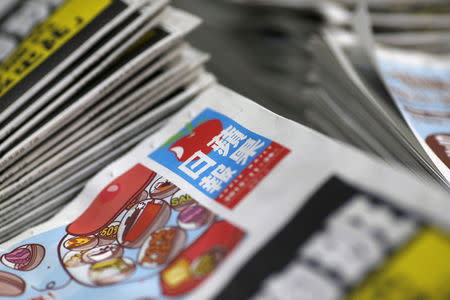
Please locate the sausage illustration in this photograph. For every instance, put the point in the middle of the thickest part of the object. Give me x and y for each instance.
(112, 201)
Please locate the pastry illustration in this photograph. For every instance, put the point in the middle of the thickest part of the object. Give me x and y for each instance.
(102, 253)
(161, 247)
(194, 217)
(163, 188)
(81, 243)
(11, 285)
(111, 271)
(24, 258)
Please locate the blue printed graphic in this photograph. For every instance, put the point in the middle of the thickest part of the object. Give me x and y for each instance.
(210, 151)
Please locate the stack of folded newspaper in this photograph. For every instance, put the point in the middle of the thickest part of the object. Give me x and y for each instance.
(83, 87)
(388, 100)
(396, 110)
(370, 85)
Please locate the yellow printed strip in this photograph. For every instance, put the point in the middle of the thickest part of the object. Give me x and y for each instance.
(47, 38)
(420, 271)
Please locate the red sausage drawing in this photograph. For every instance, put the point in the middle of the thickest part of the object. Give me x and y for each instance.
(112, 200)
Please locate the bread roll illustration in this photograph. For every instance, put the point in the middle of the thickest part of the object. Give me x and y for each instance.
(11, 285)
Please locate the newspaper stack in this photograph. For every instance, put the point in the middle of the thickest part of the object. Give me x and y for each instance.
(86, 85)
(388, 101)
(18, 18)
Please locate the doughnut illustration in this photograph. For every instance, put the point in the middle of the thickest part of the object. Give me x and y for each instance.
(194, 217)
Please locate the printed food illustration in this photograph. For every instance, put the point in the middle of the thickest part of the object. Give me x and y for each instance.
(81, 243)
(163, 188)
(141, 220)
(108, 234)
(24, 258)
(141, 237)
(161, 247)
(102, 253)
(11, 285)
(142, 226)
(440, 144)
(194, 217)
(200, 259)
(111, 271)
(112, 201)
(180, 200)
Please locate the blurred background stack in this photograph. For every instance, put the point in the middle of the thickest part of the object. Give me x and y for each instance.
(258, 51)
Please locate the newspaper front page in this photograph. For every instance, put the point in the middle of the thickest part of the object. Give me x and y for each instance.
(229, 200)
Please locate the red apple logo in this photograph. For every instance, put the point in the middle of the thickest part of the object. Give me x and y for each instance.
(198, 140)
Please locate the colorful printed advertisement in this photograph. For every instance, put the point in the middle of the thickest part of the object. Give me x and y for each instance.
(141, 238)
(220, 157)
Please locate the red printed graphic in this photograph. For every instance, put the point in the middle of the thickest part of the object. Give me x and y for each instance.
(111, 201)
(219, 157)
(197, 140)
(146, 228)
(196, 263)
(252, 175)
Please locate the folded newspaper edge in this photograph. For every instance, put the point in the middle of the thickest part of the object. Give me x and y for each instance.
(176, 22)
(190, 60)
(84, 124)
(80, 24)
(95, 61)
(395, 129)
(429, 123)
